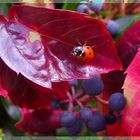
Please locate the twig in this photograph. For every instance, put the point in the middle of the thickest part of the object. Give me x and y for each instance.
(70, 105)
(110, 16)
(102, 101)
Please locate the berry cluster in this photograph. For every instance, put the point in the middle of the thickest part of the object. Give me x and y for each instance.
(90, 7)
(93, 5)
(96, 7)
(95, 121)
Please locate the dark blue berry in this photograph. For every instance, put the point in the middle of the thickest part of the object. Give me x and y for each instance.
(93, 86)
(113, 27)
(67, 118)
(82, 8)
(117, 101)
(86, 114)
(73, 83)
(95, 6)
(110, 118)
(76, 128)
(97, 123)
(55, 104)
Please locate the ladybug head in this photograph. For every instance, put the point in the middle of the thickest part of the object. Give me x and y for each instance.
(77, 51)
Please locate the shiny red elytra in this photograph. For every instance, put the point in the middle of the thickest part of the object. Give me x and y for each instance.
(83, 53)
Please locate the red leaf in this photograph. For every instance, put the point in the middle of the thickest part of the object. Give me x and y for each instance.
(3, 92)
(60, 32)
(111, 129)
(25, 93)
(128, 44)
(2, 18)
(131, 118)
(113, 82)
(43, 121)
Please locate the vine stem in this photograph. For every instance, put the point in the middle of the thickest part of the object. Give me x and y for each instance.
(64, 101)
(79, 103)
(95, 110)
(85, 99)
(70, 105)
(101, 133)
(123, 8)
(102, 101)
(109, 17)
(73, 91)
(77, 95)
(75, 98)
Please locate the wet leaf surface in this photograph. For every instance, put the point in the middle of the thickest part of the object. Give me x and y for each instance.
(48, 58)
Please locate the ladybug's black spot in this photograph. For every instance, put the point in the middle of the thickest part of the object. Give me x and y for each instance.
(89, 53)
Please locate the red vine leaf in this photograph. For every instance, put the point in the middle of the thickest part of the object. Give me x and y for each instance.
(43, 121)
(131, 121)
(128, 44)
(37, 42)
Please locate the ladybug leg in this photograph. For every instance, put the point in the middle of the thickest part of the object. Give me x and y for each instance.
(79, 42)
(85, 43)
(93, 46)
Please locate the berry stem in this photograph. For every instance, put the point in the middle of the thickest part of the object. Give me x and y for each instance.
(64, 101)
(122, 8)
(85, 99)
(79, 93)
(74, 98)
(73, 91)
(110, 16)
(79, 103)
(95, 110)
(102, 101)
(119, 116)
(89, 11)
(70, 105)
(101, 133)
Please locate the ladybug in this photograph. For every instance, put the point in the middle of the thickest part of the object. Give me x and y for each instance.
(83, 53)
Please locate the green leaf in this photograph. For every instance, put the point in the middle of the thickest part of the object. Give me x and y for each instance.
(71, 4)
(126, 22)
(4, 8)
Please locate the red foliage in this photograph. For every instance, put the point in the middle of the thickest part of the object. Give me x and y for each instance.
(131, 121)
(2, 18)
(115, 129)
(42, 121)
(35, 51)
(128, 44)
(25, 93)
(60, 32)
(36, 44)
